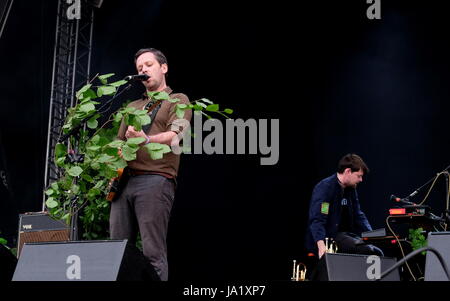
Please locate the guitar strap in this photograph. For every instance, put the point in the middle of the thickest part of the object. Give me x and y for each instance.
(154, 110)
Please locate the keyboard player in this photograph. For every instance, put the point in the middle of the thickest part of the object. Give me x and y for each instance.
(335, 211)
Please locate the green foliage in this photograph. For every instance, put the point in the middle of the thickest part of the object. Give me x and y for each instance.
(417, 238)
(87, 180)
(4, 242)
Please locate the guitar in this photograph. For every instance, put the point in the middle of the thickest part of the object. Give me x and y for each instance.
(117, 184)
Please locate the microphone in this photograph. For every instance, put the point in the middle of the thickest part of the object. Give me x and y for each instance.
(137, 77)
(403, 201)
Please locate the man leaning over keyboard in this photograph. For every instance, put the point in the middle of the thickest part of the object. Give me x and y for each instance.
(335, 211)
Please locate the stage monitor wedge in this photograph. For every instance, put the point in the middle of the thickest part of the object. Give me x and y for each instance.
(351, 267)
(96, 260)
(440, 241)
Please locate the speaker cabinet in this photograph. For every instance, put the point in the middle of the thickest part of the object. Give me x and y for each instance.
(39, 227)
(351, 267)
(433, 268)
(107, 260)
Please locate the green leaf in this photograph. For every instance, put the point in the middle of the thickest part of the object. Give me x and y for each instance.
(103, 78)
(157, 150)
(92, 123)
(82, 90)
(66, 217)
(93, 148)
(228, 111)
(60, 150)
(89, 94)
(61, 162)
(108, 171)
(129, 110)
(75, 189)
(87, 107)
(105, 90)
(206, 100)
(75, 171)
(3, 241)
(135, 141)
(140, 112)
(173, 100)
(51, 203)
(87, 178)
(144, 119)
(128, 153)
(119, 163)
(95, 165)
(118, 83)
(212, 108)
(55, 186)
(166, 148)
(135, 121)
(95, 139)
(105, 159)
(154, 146)
(49, 191)
(159, 95)
(179, 112)
(199, 106)
(118, 117)
(116, 143)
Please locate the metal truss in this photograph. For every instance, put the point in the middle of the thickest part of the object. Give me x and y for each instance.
(71, 68)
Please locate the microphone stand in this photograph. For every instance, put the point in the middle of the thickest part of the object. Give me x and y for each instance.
(420, 188)
(75, 157)
(447, 196)
(446, 215)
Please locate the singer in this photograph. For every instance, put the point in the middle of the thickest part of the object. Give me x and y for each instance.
(146, 200)
(335, 211)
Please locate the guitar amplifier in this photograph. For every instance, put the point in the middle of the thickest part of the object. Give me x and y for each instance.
(40, 227)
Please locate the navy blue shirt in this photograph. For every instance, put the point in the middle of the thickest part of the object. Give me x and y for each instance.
(325, 212)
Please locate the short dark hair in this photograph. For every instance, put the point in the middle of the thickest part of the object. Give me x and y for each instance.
(352, 161)
(160, 57)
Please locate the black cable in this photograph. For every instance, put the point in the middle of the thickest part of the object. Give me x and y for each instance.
(411, 255)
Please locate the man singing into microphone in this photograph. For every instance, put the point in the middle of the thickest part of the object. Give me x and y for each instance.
(145, 202)
(335, 211)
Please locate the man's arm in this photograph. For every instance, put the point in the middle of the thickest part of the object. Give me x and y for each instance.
(361, 220)
(318, 215)
(163, 138)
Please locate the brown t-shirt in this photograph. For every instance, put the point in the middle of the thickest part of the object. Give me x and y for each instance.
(168, 165)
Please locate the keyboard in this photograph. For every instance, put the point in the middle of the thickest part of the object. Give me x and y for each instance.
(375, 233)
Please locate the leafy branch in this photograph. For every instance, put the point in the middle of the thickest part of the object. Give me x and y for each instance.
(99, 154)
(417, 238)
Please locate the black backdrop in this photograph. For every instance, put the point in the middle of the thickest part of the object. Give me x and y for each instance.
(337, 82)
